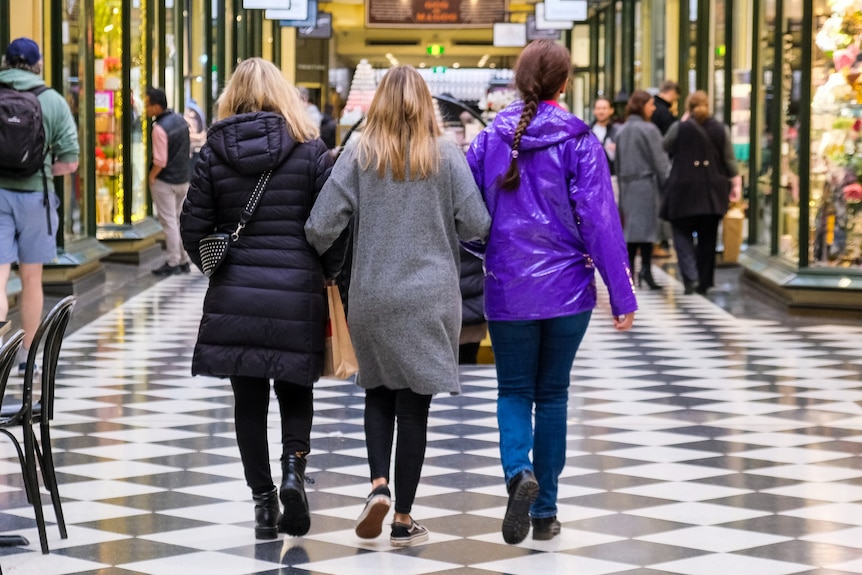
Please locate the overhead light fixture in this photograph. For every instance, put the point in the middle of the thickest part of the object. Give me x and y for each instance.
(456, 65)
(483, 60)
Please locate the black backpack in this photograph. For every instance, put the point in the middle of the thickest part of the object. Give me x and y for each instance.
(22, 135)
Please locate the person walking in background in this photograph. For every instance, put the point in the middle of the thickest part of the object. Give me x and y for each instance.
(28, 204)
(642, 170)
(664, 117)
(328, 127)
(265, 311)
(411, 195)
(606, 130)
(699, 189)
(545, 179)
(169, 177)
(473, 324)
(664, 102)
(196, 120)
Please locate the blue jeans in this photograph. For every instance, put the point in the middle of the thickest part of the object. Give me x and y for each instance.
(534, 362)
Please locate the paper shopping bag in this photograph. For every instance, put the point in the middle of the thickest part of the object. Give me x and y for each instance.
(339, 360)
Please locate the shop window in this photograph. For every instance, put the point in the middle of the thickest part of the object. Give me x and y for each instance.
(836, 135)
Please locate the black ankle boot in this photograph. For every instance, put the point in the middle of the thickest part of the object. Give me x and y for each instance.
(266, 515)
(295, 520)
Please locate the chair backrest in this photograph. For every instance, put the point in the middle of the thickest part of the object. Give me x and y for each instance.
(51, 331)
(9, 358)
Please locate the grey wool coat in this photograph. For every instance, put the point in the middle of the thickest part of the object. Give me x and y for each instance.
(642, 169)
(405, 300)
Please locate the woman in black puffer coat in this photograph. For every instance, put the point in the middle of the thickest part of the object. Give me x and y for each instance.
(265, 312)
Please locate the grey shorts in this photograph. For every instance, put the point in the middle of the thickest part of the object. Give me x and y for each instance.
(24, 236)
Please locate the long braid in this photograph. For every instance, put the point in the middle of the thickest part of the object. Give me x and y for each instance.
(512, 178)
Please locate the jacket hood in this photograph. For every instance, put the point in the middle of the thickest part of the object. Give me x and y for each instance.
(21, 79)
(550, 126)
(251, 143)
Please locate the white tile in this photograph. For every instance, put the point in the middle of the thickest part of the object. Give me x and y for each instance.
(845, 537)
(203, 563)
(715, 539)
(792, 454)
(567, 539)
(671, 471)
(565, 512)
(131, 451)
(697, 513)
(724, 563)
(147, 435)
(116, 469)
(660, 454)
(348, 538)
(553, 563)
(377, 563)
(53, 564)
(80, 511)
(649, 437)
(828, 491)
(684, 491)
(849, 513)
(811, 473)
(101, 489)
(776, 439)
(77, 537)
(209, 538)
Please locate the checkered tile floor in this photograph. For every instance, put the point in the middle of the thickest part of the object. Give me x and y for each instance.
(699, 444)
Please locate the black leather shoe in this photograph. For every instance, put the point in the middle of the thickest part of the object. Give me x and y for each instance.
(523, 490)
(166, 270)
(185, 268)
(295, 520)
(545, 528)
(690, 286)
(266, 515)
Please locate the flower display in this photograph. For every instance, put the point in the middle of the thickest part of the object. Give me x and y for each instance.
(496, 100)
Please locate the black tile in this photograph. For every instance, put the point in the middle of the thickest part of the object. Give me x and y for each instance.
(636, 552)
(784, 525)
(614, 501)
(137, 525)
(293, 551)
(162, 501)
(629, 526)
(124, 551)
(805, 552)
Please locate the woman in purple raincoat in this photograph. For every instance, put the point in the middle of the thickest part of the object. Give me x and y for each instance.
(546, 182)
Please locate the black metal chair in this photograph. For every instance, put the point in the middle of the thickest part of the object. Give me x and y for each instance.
(26, 414)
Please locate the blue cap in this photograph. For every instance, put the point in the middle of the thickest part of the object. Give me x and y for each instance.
(23, 50)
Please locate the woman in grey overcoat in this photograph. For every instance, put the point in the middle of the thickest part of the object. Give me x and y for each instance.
(642, 167)
(411, 195)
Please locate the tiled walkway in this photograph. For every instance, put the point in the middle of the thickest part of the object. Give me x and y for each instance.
(699, 444)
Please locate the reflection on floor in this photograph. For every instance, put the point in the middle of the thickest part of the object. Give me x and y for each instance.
(699, 444)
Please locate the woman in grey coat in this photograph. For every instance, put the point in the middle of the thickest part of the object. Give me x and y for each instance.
(642, 167)
(411, 195)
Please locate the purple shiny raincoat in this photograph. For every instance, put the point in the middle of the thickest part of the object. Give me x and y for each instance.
(548, 236)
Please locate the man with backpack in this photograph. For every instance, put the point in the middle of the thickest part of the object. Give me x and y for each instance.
(38, 140)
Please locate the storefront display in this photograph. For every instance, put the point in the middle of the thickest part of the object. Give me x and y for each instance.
(836, 126)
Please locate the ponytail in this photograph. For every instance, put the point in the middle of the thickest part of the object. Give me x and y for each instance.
(512, 178)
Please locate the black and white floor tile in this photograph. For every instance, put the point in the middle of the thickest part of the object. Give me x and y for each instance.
(698, 444)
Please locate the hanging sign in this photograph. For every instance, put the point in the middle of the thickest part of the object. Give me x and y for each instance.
(285, 19)
(569, 10)
(434, 13)
(297, 8)
(321, 29)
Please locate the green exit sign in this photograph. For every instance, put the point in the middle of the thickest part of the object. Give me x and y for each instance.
(435, 49)
(438, 69)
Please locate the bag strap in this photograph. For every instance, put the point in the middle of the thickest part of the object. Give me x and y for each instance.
(251, 204)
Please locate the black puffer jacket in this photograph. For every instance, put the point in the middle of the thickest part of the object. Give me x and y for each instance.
(472, 289)
(265, 311)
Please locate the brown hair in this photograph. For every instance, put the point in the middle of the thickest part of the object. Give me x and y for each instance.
(669, 86)
(541, 70)
(697, 104)
(401, 130)
(637, 102)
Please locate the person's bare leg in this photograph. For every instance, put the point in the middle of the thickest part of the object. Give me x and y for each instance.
(5, 270)
(31, 300)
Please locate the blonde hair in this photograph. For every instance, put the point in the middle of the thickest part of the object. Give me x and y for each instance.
(401, 130)
(697, 104)
(258, 86)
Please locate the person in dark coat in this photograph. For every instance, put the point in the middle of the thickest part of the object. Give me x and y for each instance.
(668, 95)
(642, 171)
(699, 190)
(473, 324)
(265, 312)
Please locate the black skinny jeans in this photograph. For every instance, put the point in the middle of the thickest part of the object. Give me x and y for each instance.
(295, 403)
(382, 407)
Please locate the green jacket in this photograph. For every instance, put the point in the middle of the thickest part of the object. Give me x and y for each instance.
(61, 134)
